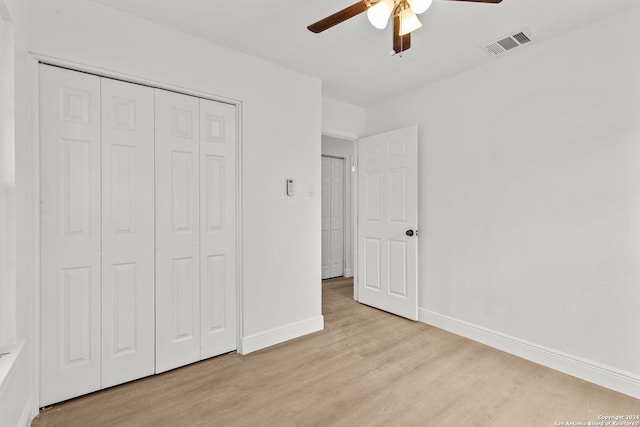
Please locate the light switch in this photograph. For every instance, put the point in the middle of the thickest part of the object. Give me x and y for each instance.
(290, 190)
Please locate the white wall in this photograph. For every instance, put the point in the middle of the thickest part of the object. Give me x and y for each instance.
(344, 148)
(281, 139)
(7, 187)
(18, 401)
(530, 197)
(342, 120)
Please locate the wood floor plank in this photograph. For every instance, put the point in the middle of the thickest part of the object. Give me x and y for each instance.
(366, 368)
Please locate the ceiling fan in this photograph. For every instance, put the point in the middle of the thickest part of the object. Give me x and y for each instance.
(404, 12)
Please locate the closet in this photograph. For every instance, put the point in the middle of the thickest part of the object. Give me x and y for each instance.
(138, 231)
(332, 217)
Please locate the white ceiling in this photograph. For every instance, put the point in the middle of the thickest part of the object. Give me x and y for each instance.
(353, 59)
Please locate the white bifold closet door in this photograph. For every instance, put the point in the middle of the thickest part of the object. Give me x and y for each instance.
(138, 231)
(332, 217)
(217, 228)
(128, 269)
(97, 249)
(195, 229)
(177, 230)
(70, 234)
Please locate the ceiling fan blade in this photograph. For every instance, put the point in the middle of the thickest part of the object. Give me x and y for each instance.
(481, 1)
(338, 17)
(400, 43)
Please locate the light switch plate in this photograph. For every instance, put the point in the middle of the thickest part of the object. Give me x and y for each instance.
(290, 190)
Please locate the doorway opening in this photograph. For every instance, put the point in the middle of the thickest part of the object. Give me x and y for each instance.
(337, 208)
(332, 217)
(381, 198)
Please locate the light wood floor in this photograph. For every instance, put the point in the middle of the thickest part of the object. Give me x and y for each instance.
(367, 368)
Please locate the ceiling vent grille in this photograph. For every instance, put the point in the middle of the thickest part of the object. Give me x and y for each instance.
(508, 43)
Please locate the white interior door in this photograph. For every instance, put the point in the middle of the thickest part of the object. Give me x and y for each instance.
(128, 271)
(387, 222)
(332, 217)
(337, 217)
(177, 230)
(70, 234)
(326, 217)
(218, 228)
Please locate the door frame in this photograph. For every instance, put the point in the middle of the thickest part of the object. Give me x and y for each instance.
(352, 170)
(350, 202)
(35, 60)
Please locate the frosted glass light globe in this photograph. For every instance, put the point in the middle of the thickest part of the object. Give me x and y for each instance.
(379, 14)
(420, 6)
(408, 22)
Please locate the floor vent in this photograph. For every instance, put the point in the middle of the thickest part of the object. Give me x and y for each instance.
(508, 43)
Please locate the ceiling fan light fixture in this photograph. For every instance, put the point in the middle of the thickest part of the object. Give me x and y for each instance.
(420, 6)
(408, 21)
(404, 14)
(379, 13)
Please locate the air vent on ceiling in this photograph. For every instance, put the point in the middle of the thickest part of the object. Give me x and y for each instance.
(508, 43)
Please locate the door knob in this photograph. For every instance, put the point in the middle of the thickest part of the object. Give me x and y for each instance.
(409, 233)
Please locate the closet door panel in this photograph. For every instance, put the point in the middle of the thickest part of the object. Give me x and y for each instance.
(337, 218)
(326, 217)
(128, 273)
(177, 230)
(332, 217)
(70, 234)
(218, 137)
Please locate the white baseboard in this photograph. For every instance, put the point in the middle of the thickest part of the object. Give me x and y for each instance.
(27, 414)
(276, 336)
(594, 372)
(348, 272)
